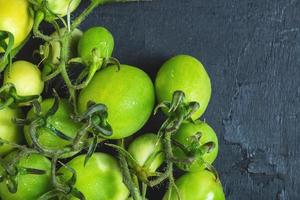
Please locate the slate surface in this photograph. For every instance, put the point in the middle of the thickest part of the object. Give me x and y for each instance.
(251, 50)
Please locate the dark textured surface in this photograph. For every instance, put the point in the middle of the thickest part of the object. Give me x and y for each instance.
(251, 50)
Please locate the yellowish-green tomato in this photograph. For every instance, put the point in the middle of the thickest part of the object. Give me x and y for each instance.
(9, 131)
(99, 179)
(30, 186)
(60, 7)
(147, 150)
(201, 185)
(26, 77)
(187, 74)
(15, 18)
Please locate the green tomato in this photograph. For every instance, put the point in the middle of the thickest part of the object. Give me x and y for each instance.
(9, 131)
(187, 74)
(30, 186)
(197, 186)
(61, 121)
(128, 95)
(144, 147)
(56, 47)
(95, 40)
(184, 136)
(99, 179)
(26, 77)
(60, 7)
(15, 18)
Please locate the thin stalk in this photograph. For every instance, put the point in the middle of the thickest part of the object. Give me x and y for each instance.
(134, 190)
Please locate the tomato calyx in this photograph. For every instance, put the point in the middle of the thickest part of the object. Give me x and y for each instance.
(178, 111)
(95, 64)
(11, 170)
(95, 120)
(62, 188)
(9, 97)
(142, 172)
(194, 152)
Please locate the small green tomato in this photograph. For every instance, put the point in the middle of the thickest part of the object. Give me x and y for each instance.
(26, 77)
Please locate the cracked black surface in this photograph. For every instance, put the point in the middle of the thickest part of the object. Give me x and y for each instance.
(251, 50)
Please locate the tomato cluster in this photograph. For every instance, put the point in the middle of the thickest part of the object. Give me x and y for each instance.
(50, 152)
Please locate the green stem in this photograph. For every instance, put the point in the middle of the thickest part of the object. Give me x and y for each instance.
(134, 191)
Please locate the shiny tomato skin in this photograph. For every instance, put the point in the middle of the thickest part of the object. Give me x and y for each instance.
(95, 39)
(9, 131)
(61, 120)
(15, 18)
(26, 77)
(183, 136)
(128, 95)
(142, 147)
(187, 74)
(30, 186)
(99, 179)
(198, 186)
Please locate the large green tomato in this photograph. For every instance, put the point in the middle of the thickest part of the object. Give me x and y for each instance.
(26, 77)
(30, 186)
(60, 120)
(184, 136)
(187, 74)
(198, 186)
(95, 40)
(144, 147)
(99, 179)
(9, 131)
(128, 95)
(15, 18)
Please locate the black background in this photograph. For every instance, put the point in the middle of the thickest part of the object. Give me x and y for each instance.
(251, 51)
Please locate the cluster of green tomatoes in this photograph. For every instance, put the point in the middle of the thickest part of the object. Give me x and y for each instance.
(49, 147)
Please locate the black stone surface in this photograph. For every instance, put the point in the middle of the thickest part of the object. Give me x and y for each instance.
(251, 51)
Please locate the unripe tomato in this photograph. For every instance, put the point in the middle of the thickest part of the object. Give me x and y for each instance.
(187, 74)
(186, 133)
(128, 95)
(30, 186)
(15, 18)
(95, 40)
(61, 121)
(9, 131)
(60, 7)
(144, 147)
(26, 77)
(198, 186)
(99, 179)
